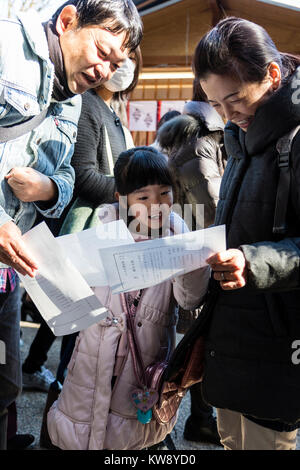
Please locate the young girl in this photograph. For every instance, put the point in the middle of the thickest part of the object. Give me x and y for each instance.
(94, 410)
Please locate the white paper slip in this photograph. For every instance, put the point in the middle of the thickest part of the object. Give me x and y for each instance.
(82, 248)
(145, 264)
(59, 291)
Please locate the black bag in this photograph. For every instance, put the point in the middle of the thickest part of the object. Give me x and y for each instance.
(185, 366)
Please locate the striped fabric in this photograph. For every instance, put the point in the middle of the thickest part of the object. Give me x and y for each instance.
(7, 274)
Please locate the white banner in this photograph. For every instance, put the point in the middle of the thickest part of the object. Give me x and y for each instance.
(166, 106)
(142, 115)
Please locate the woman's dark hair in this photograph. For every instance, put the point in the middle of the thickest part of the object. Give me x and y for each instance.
(117, 15)
(240, 48)
(139, 167)
(198, 93)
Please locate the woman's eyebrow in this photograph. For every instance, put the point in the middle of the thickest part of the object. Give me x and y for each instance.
(225, 98)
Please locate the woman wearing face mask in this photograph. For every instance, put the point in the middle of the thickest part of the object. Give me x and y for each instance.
(102, 136)
(253, 323)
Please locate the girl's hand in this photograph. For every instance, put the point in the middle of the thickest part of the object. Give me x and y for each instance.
(229, 268)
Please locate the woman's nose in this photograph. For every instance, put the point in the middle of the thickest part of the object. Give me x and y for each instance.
(228, 112)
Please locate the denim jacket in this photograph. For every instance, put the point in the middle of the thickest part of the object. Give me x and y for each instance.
(26, 82)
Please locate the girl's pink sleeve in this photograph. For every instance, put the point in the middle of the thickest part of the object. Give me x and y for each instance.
(189, 289)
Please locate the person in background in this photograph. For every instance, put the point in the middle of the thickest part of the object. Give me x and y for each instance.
(101, 135)
(195, 147)
(166, 117)
(252, 306)
(194, 144)
(58, 60)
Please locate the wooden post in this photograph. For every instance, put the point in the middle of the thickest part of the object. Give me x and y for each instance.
(218, 11)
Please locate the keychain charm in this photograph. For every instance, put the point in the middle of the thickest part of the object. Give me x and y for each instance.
(144, 400)
(144, 418)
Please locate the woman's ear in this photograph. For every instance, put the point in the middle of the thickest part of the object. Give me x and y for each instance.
(67, 19)
(274, 75)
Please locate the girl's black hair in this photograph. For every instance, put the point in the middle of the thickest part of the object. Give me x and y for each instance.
(237, 47)
(117, 15)
(139, 167)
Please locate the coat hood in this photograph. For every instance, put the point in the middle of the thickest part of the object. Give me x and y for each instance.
(207, 114)
(197, 120)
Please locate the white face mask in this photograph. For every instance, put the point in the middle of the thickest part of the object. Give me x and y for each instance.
(122, 78)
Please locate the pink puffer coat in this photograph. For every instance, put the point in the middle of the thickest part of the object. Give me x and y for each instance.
(91, 413)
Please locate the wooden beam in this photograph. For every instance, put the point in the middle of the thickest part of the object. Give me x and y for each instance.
(144, 4)
(217, 10)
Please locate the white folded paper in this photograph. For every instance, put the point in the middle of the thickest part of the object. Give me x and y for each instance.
(59, 291)
(106, 256)
(82, 249)
(147, 263)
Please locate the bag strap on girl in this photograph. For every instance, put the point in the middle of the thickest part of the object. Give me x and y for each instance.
(143, 397)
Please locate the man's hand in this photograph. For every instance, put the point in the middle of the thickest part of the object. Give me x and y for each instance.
(229, 268)
(13, 251)
(30, 185)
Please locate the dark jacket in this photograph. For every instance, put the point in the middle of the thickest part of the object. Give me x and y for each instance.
(93, 181)
(194, 143)
(250, 335)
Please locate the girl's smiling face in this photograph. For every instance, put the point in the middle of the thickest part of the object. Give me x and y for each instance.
(151, 205)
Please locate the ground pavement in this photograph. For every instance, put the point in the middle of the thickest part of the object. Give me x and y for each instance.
(30, 404)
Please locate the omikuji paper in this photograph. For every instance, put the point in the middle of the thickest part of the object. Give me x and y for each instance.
(147, 263)
(59, 291)
(82, 249)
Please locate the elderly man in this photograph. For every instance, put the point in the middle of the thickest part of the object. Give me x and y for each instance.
(42, 69)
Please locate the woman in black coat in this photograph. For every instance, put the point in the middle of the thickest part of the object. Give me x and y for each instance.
(251, 373)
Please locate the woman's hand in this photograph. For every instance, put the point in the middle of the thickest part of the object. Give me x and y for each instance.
(229, 268)
(29, 185)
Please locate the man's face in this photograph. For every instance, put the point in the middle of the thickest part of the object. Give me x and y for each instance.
(91, 54)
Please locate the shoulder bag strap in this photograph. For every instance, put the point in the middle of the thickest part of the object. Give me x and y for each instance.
(138, 365)
(109, 153)
(128, 138)
(283, 146)
(15, 131)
